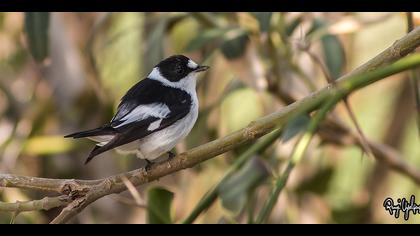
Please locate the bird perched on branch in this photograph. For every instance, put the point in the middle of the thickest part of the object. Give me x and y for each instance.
(154, 115)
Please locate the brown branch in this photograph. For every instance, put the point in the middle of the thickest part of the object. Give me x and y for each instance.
(84, 192)
(43, 204)
(43, 184)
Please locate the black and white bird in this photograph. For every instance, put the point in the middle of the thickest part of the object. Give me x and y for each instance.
(154, 115)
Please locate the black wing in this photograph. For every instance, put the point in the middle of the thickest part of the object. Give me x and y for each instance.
(146, 91)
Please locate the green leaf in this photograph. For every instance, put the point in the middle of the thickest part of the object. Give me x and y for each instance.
(291, 27)
(231, 40)
(235, 189)
(239, 108)
(295, 126)
(208, 36)
(159, 206)
(333, 50)
(318, 183)
(264, 19)
(36, 27)
(333, 55)
(206, 19)
(182, 33)
(155, 44)
(235, 44)
(317, 24)
(118, 50)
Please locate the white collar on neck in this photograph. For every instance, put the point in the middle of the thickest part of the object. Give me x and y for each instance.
(186, 84)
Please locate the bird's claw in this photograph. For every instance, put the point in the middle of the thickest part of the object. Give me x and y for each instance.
(148, 166)
(171, 155)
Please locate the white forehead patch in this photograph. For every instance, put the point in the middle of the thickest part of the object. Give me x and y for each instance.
(192, 64)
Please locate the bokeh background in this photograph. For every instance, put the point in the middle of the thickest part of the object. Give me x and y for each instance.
(65, 72)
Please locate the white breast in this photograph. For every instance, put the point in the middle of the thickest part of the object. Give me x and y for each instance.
(160, 142)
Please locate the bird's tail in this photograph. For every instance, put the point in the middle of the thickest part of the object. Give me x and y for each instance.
(95, 151)
(104, 130)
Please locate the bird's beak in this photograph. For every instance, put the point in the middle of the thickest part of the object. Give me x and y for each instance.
(201, 68)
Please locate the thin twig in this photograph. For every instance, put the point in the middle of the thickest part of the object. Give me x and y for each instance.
(363, 140)
(133, 191)
(333, 132)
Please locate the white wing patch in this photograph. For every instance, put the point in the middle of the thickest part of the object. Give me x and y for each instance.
(158, 110)
(101, 139)
(154, 125)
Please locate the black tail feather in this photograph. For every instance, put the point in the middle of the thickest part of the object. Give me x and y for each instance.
(115, 142)
(93, 153)
(105, 130)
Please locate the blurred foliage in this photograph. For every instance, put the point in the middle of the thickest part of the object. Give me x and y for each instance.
(47, 145)
(120, 66)
(36, 27)
(233, 118)
(252, 56)
(294, 127)
(333, 51)
(159, 206)
(235, 191)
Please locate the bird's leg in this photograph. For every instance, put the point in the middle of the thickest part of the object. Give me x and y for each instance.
(148, 166)
(171, 155)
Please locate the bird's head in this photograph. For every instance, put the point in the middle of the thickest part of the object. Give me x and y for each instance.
(176, 69)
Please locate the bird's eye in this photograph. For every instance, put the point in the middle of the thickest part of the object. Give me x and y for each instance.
(178, 69)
